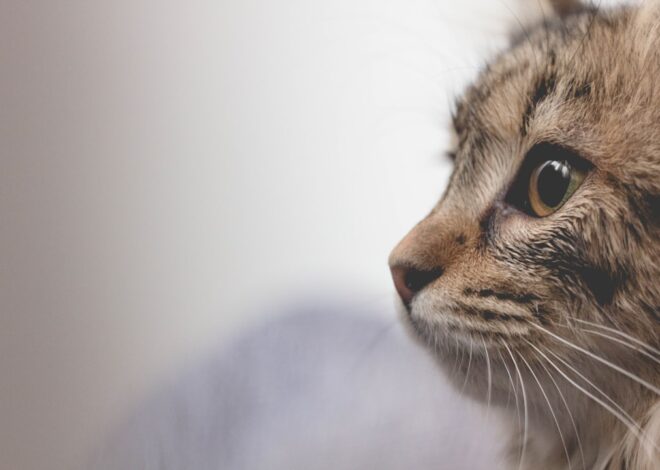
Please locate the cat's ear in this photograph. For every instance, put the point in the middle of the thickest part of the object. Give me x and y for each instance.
(566, 7)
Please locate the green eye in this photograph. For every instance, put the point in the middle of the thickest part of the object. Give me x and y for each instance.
(551, 184)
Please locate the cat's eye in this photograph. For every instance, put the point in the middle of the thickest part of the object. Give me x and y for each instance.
(551, 184)
(548, 178)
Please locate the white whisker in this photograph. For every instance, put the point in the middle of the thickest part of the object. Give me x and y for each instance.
(552, 412)
(639, 349)
(597, 389)
(467, 372)
(455, 366)
(524, 394)
(622, 417)
(637, 430)
(622, 334)
(631, 376)
(489, 378)
(570, 415)
(513, 386)
(460, 363)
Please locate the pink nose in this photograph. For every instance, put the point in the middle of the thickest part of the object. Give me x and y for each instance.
(409, 281)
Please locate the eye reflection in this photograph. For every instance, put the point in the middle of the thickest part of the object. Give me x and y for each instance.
(551, 184)
(548, 178)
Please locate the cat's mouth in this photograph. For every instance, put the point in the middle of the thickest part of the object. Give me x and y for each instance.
(440, 321)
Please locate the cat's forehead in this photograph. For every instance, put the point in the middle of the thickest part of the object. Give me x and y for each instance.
(559, 79)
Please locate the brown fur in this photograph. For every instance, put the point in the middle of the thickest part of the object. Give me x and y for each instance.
(515, 290)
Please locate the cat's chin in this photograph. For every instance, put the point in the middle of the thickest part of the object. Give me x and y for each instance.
(471, 363)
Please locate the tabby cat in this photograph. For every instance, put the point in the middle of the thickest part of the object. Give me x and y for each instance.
(536, 278)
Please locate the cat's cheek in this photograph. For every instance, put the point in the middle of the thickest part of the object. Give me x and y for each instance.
(514, 228)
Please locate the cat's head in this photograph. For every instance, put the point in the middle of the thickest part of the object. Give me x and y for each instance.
(546, 238)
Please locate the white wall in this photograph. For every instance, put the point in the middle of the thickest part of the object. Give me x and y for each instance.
(168, 169)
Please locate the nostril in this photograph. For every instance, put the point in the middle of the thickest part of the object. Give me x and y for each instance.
(409, 281)
(416, 279)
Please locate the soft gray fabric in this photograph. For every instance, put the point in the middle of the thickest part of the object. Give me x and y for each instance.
(315, 390)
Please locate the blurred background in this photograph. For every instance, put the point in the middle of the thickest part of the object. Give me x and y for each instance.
(172, 171)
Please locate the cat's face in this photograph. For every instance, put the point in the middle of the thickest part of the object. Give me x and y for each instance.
(550, 220)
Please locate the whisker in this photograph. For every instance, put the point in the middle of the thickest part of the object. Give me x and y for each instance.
(525, 32)
(489, 372)
(552, 412)
(623, 343)
(524, 394)
(436, 342)
(453, 369)
(637, 430)
(467, 372)
(513, 386)
(619, 369)
(462, 351)
(596, 388)
(623, 417)
(632, 426)
(587, 32)
(570, 414)
(545, 22)
(622, 334)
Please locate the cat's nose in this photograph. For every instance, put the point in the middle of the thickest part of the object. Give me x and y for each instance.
(409, 281)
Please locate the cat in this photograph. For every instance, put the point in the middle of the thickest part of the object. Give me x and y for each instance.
(535, 279)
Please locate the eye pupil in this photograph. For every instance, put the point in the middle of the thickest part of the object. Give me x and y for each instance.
(554, 178)
(548, 178)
